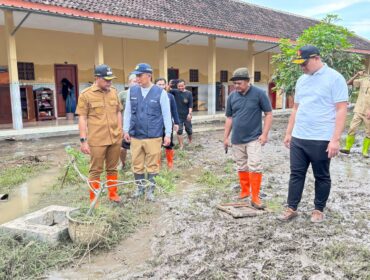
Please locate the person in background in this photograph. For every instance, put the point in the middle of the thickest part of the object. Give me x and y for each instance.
(361, 113)
(184, 104)
(69, 96)
(170, 152)
(122, 97)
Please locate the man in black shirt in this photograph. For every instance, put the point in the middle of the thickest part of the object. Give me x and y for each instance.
(184, 104)
(244, 117)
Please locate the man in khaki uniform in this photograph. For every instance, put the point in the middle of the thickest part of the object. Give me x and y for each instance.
(100, 125)
(361, 113)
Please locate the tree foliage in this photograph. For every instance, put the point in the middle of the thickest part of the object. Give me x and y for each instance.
(332, 41)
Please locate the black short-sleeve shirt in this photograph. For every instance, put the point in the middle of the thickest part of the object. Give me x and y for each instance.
(246, 112)
(184, 101)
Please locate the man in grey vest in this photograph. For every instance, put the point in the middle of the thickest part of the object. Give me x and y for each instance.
(147, 111)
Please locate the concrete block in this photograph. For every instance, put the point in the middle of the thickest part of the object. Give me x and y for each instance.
(49, 224)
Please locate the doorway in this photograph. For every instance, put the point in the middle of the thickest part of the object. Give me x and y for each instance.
(67, 71)
(194, 91)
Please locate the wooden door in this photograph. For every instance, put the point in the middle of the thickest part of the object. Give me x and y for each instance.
(30, 104)
(68, 71)
(5, 105)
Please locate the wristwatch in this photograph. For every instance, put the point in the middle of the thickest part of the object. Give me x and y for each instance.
(83, 139)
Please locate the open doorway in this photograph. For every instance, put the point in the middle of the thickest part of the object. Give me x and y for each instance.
(69, 72)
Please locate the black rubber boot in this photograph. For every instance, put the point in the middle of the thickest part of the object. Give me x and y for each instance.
(150, 192)
(140, 185)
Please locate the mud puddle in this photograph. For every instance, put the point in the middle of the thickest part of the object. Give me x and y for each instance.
(23, 197)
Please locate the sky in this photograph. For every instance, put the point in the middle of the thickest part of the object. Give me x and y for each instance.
(354, 14)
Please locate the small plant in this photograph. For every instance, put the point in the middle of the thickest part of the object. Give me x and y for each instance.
(82, 163)
(211, 180)
(229, 166)
(181, 154)
(166, 180)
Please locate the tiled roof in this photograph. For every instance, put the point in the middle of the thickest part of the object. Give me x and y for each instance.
(226, 15)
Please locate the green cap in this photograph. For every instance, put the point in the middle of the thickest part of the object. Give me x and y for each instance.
(240, 74)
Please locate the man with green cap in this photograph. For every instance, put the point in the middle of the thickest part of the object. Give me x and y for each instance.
(244, 118)
(361, 113)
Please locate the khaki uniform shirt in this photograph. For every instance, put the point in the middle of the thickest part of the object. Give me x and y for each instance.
(363, 99)
(100, 109)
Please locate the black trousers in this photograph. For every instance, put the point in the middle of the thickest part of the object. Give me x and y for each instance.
(302, 154)
(170, 147)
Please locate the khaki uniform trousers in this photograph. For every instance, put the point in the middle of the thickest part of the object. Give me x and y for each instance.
(358, 118)
(248, 157)
(146, 153)
(99, 155)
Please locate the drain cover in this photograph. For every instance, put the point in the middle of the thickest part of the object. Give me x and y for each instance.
(240, 210)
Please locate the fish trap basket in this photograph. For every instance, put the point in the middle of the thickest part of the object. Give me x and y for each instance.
(86, 230)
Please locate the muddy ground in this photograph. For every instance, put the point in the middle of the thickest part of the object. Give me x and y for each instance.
(188, 238)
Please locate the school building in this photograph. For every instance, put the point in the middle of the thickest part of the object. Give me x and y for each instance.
(202, 42)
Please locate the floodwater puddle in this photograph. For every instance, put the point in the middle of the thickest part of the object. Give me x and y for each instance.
(27, 194)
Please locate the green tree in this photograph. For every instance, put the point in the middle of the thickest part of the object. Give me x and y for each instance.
(332, 41)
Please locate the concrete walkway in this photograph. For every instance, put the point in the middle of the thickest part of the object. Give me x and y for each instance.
(65, 128)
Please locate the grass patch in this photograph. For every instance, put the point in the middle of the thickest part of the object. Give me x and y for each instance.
(275, 204)
(29, 259)
(210, 179)
(182, 159)
(229, 166)
(353, 260)
(18, 174)
(166, 180)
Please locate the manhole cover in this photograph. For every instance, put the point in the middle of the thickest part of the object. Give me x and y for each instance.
(240, 210)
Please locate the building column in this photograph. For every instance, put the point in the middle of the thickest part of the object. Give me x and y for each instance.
(15, 95)
(211, 75)
(162, 54)
(368, 64)
(251, 60)
(99, 49)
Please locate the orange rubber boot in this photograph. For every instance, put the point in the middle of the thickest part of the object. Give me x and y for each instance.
(112, 191)
(169, 156)
(256, 180)
(245, 188)
(95, 184)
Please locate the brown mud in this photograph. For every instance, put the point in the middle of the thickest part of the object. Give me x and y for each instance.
(188, 238)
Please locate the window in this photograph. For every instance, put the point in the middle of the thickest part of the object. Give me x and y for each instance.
(257, 76)
(224, 76)
(194, 76)
(26, 71)
(172, 74)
